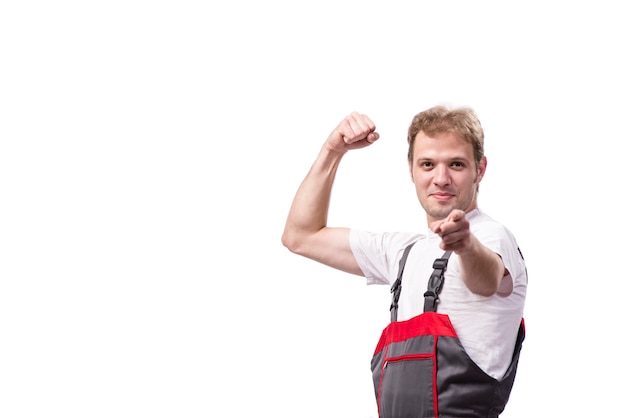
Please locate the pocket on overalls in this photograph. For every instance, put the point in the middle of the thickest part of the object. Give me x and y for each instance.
(406, 386)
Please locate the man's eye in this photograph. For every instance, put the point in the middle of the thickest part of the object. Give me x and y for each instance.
(457, 164)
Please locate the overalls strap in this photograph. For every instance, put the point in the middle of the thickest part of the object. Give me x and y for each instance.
(397, 285)
(435, 283)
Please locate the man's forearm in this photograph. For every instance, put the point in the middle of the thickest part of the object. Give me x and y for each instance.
(482, 269)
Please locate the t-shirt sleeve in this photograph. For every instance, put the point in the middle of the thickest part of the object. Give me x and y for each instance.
(378, 254)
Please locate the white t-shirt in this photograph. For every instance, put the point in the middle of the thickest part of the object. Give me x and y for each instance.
(487, 326)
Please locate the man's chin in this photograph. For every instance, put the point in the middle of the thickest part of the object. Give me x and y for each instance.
(439, 212)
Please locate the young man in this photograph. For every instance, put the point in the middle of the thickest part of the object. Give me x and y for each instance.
(485, 280)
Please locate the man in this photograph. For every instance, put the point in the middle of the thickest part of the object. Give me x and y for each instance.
(485, 279)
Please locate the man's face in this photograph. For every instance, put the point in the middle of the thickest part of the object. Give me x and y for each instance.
(445, 174)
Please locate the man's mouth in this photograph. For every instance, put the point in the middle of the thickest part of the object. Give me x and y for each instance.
(441, 196)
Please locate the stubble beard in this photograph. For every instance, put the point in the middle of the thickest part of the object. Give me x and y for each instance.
(439, 210)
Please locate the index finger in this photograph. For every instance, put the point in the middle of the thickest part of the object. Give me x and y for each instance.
(456, 215)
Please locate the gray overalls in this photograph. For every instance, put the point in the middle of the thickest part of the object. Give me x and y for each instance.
(421, 370)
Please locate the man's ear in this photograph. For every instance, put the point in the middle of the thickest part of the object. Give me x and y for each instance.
(411, 170)
(482, 167)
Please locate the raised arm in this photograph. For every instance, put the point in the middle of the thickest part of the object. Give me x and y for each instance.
(306, 232)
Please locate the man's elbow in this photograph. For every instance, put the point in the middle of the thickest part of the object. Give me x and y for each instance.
(486, 291)
(290, 241)
(287, 243)
(486, 287)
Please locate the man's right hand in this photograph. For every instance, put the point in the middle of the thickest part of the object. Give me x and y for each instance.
(354, 131)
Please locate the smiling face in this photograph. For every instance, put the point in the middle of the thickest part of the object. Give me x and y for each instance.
(445, 174)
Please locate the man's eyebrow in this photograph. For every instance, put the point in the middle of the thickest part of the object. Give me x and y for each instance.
(454, 158)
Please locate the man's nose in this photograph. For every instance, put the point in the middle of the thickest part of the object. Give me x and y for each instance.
(442, 175)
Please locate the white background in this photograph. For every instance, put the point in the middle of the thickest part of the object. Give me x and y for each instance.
(150, 151)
